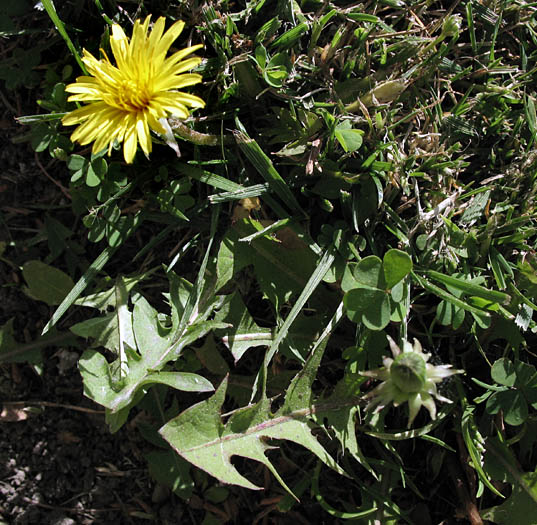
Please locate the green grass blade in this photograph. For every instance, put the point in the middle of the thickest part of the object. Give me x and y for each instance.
(316, 277)
(275, 226)
(439, 292)
(289, 38)
(194, 298)
(266, 169)
(51, 11)
(252, 191)
(470, 288)
(531, 114)
(216, 181)
(96, 266)
(471, 27)
(46, 117)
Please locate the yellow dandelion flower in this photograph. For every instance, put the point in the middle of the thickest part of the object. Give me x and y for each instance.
(129, 99)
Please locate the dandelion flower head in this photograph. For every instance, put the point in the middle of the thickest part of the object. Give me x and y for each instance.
(129, 99)
(408, 377)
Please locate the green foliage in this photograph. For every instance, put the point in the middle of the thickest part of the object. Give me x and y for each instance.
(46, 283)
(355, 174)
(372, 297)
(143, 346)
(200, 437)
(518, 390)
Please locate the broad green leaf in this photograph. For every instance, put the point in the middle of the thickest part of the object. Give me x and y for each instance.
(372, 307)
(232, 257)
(106, 299)
(200, 437)
(92, 179)
(210, 356)
(302, 333)
(185, 381)
(104, 332)
(521, 506)
(76, 162)
(447, 314)
(520, 380)
(342, 421)
(526, 374)
(513, 404)
(400, 302)
(12, 351)
(444, 313)
(503, 372)
(7, 341)
(172, 471)
(350, 139)
(244, 332)
(275, 76)
(180, 289)
(261, 56)
(102, 386)
(46, 283)
(97, 378)
(397, 265)
(282, 268)
(150, 335)
(367, 195)
(501, 462)
(154, 345)
(369, 272)
(348, 281)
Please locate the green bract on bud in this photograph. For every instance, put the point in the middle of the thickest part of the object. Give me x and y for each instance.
(451, 25)
(408, 378)
(409, 372)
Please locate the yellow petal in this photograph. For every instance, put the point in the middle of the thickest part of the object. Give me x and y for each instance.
(129, 146)
(155, 36)
(179, 82)
(181, 54)
(120, 45)
(144, 138)
(154, 123)
(177, 69)
(171, 105)
(167, 40)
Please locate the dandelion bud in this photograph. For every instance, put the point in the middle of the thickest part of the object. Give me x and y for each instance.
(451, 26)
(409, 372)
(408, 378)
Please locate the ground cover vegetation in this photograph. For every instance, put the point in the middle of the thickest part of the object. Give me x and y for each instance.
(292, 244)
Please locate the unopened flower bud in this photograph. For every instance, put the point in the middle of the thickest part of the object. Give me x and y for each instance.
(409, 372)
(451, 26)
